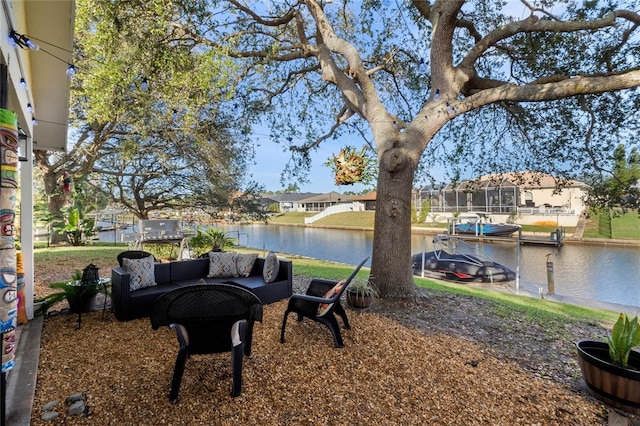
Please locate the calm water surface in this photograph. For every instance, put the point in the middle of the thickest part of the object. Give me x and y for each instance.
(604, 273)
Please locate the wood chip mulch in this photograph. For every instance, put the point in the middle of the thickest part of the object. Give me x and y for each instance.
(388, 373)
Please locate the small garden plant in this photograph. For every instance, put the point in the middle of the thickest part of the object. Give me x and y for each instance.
(625, 335)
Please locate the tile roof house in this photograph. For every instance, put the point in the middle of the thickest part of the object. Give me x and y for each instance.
(289, 201)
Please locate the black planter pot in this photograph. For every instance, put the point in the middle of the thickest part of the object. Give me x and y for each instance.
(613, 384)
(81, 304)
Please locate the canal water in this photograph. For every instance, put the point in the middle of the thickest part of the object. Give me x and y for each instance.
(604, 273)
(594, 272)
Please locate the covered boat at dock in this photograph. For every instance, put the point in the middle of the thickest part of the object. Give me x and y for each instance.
(456, 265)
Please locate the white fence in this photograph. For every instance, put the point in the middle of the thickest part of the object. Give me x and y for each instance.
(337, 208)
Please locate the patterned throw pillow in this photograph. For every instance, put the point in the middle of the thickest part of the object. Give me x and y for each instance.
(271, 267)
(245, 263)
(222, 265)
(142, 272)
(323, 308)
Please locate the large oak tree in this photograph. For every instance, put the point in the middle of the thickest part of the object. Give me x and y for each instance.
(514, 75)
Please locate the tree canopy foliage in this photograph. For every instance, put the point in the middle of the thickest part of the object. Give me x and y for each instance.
(152, 127)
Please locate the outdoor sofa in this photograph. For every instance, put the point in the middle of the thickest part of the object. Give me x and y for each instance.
(129, 300)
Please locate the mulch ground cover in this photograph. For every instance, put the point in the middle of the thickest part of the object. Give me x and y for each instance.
(388, 373)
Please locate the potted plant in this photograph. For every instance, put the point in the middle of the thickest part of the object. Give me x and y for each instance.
(79, 294)
(360, 293)
(78, 228)
(611, 369)
(211, 239)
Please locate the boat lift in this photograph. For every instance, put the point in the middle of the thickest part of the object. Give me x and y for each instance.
(159, 231)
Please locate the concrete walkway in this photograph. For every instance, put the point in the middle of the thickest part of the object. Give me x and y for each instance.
(21, 379)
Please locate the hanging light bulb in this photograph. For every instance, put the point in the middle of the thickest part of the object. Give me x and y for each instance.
(17, 39)
(23, 83)
(423, 66)
(31, 45)
(29, 108)
(34, 122)
(144, 84)
(437, 95)
(71, 70)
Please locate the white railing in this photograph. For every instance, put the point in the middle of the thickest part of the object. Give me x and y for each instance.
(337, 208)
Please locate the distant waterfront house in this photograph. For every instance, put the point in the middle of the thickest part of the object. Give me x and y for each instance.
(287, 202)
(369, 200)
(320, 202)
(525, 193)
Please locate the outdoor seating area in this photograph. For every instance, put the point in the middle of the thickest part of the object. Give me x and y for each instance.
(425, 361)
(136, 286)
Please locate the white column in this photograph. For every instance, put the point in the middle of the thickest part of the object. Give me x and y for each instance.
(27, 225)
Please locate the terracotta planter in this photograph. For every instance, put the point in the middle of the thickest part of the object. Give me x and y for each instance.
(615, 385)
(359, 301)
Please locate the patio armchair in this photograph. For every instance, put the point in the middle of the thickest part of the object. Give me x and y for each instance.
(320, 303)
(132, 254)
(209, 318)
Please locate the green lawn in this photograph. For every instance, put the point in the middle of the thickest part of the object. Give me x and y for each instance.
(622, 226)
(290, 218)
(625, 226)
(78, 257)
(358, 219)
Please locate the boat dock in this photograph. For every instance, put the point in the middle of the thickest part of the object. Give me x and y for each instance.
(554, 239)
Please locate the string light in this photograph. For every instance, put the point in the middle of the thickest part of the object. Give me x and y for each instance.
(29, 108)
(34, 122)
(22, 41)
(423, 67)
(23, 83)
(145, 84)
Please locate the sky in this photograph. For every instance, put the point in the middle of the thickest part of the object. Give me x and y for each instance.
(271, 160)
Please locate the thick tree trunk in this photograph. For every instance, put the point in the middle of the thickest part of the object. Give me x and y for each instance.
(391, 259)
(55, 203)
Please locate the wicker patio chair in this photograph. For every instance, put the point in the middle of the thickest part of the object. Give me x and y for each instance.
(133, 254)
(209, 318)
(320, 303)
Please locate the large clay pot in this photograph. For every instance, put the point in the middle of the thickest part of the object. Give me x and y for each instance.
(359, 301)
(613, 384)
